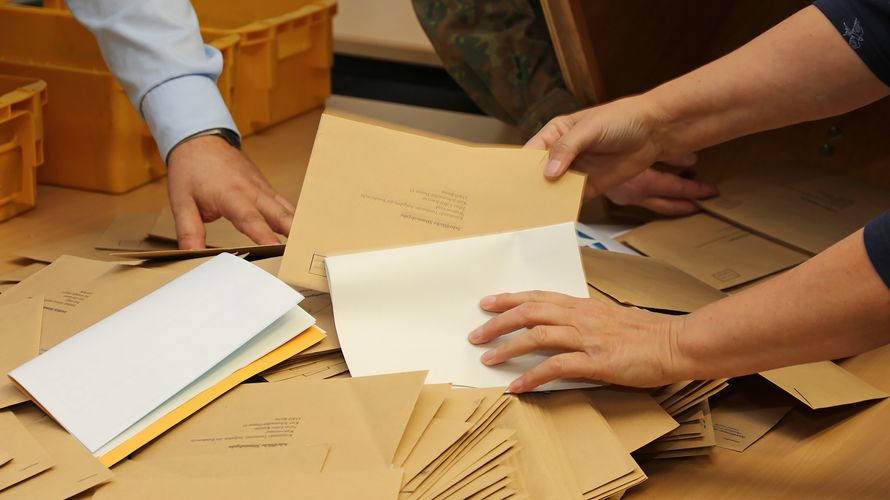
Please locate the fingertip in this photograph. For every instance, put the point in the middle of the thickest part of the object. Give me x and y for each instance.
(517, 386)
(191, 243)
(553, 169)
(475, 337)
(488, 302)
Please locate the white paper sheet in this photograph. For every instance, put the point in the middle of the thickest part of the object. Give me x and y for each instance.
(106, 378)
(411, 308)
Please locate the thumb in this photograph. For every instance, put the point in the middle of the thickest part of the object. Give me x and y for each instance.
(565, 150)
(189, 226)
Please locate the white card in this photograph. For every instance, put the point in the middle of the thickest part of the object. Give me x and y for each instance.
(411, 308)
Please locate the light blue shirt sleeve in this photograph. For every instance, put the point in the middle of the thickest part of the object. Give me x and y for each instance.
(154, 48)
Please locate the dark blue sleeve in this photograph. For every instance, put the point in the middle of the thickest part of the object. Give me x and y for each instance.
(865, 25)
(877, 244)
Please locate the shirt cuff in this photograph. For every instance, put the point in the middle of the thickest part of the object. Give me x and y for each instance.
(184, 106)
(877, 245)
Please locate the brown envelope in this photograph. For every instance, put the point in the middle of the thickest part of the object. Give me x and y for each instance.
(361, 419)
(568, 449)
(371, 484)
(220, 233)
(81, 245)
(130, 232)
(370, 187)
(428, 403)
(261, 461)
(325, 366)
(823, 384)
(20, 341)
(27, 457)
(66, 272)
(21, 273)
(645, 282)
(75, 469)
(807, 210)
(711, 250)
(5, 457)
(634, 416)
(746, 415)
(253, 251)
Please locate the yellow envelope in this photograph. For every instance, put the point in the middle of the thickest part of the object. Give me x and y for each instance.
(370, 187)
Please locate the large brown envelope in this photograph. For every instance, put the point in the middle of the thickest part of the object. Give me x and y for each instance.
(645, 282)
(369, 187)
(361, 419)
(711, 250)
(805, 210)
(20, 341)
(379, 483)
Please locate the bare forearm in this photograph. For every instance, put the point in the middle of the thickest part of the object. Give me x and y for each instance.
(800, 70)
(834, 305)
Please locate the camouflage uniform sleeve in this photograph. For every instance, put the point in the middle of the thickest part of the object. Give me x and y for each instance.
(500, 53)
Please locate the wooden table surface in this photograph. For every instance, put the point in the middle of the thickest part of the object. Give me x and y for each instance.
(840, 453)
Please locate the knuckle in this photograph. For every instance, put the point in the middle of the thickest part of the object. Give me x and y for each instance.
(539, 335)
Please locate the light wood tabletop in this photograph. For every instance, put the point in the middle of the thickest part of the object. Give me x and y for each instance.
(840, 453)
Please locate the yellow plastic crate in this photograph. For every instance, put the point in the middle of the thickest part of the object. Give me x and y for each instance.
(96, 140)
(283, 58)
(21, 142)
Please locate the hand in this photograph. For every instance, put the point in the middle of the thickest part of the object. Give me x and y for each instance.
(598, 340)
(208, 179)
(615, 144)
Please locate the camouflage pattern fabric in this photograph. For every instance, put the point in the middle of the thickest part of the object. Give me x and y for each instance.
(500, 53)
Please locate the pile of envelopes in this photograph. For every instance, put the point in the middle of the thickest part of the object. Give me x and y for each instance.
(127, 358)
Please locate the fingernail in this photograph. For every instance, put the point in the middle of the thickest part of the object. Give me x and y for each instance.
(487, 301)
(552, 168)
(487, 356)
(516, 386)
(475, 334)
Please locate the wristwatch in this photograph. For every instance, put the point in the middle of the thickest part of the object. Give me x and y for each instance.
(229, 135)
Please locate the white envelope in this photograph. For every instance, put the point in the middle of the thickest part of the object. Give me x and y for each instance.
(411, 308)
(106, 378)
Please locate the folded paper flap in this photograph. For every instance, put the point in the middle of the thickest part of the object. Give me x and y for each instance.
(823, 384)
(98, 383)
(645, 282)
(372, 195)
(20, 338)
